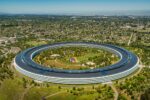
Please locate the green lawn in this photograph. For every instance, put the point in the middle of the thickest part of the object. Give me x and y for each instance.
(36, 43)
(88, 55)
(11, 89)
(36, 93)
(85, 58)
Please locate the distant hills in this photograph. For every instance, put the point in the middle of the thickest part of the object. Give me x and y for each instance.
(98, 13)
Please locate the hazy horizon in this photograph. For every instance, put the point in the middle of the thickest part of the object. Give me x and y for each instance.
(76, 7)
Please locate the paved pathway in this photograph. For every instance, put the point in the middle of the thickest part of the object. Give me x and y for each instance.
(26, 90)
(130, 39)
(54, 94)
(115, 90)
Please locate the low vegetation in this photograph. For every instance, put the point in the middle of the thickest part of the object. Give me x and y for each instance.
(76, 58)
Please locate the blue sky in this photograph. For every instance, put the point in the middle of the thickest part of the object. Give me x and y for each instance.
(71, 6)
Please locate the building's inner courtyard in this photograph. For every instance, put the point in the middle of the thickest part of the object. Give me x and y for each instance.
(75, 57)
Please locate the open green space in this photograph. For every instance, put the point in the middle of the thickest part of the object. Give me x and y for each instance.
(76, 58)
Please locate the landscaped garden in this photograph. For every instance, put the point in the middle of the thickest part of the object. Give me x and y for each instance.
(76, 58)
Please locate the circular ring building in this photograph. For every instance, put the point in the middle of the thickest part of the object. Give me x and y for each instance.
(127, 64)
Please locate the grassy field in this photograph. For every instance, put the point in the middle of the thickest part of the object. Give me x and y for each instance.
(143, 30)
(24, 88)
(36, 43)
(13, 89)
(84, 58)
